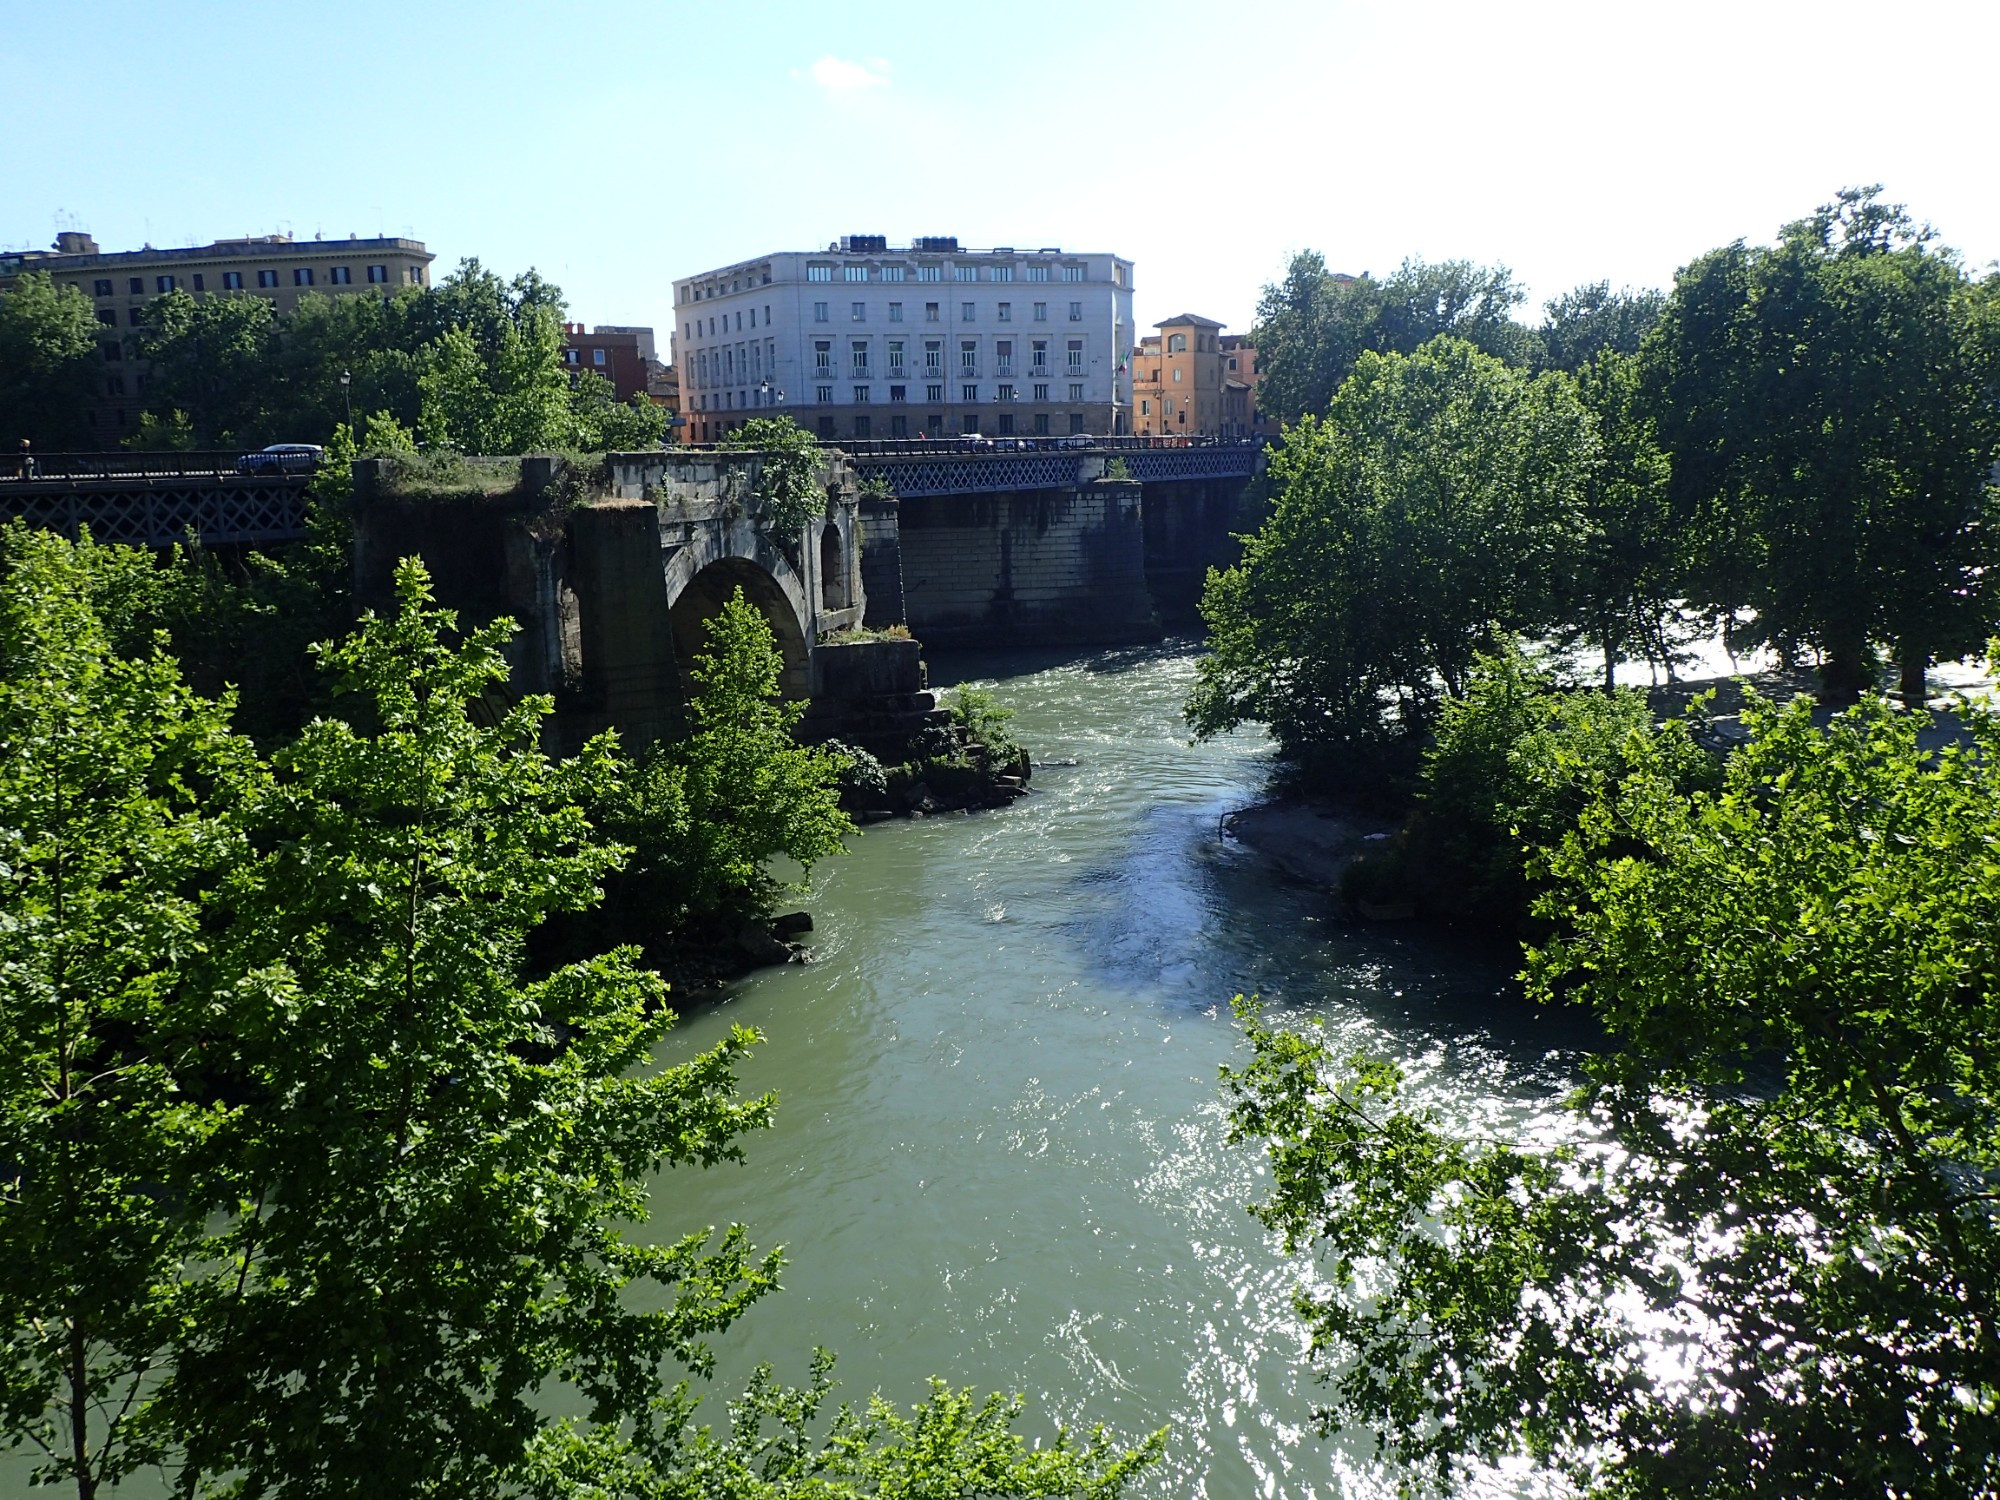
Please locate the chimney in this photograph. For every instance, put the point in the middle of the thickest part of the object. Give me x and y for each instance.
(75, 242)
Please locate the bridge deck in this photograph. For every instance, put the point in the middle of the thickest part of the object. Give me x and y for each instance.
(160, 509)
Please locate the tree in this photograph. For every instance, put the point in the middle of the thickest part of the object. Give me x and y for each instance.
(48, 360)
(1581, 324)
(1830, 408)
(1314, 326)
(607, 425)
(790, 476)
(1438, 499)
(1761, 1258)
(210, 358)
(110, 825)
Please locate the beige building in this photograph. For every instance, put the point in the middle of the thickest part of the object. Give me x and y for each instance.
(121, 283)
(871, 340)
(1193, 380)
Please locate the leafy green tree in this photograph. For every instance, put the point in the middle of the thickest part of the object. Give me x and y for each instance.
(1440, 498)
(49, 358)
(607, 425)
(1830, 405)
(209, 357)
(1314, 325)
(1762, 1258)
(110, 825)
(1581, 324)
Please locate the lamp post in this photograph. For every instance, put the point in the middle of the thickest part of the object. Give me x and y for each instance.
(767, 391)
(347, 397)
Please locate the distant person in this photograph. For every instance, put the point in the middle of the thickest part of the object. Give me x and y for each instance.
(27, 461)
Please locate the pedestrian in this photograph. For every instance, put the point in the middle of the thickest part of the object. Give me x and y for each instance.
(27, 461)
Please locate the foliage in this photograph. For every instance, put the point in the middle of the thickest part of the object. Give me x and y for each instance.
(110, 824)
(789, 474)
(862, 776)
(48, 359)
(1118, 469)
(1314, 326)
(985, 721)
(947, 1445)
(162, 432)
(1439, 498)
(1830, 403)
(1763, 1262)
(705, 814)
(1513, 767)
(208, 359)
(1593, 320)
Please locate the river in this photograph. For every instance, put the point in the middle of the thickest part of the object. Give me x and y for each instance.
(1000, 1154)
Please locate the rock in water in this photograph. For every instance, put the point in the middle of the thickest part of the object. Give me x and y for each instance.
(760, 946)
(792, 923)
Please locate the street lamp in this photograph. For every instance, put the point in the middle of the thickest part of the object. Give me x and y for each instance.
(347, 396)
(767, 392)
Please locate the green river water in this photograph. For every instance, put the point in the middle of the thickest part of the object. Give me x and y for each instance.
(1000, 1154)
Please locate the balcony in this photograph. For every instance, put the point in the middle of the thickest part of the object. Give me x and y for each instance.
(968, 372)
(1004, 367)
(896, 372)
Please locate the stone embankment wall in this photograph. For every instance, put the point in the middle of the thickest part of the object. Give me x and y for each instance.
(1021, 567)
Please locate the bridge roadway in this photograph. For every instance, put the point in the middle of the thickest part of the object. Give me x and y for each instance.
(158, 499)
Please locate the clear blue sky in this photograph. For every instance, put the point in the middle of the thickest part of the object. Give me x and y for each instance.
(615, 145)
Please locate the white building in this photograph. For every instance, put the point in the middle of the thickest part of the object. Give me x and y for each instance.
(862, 340)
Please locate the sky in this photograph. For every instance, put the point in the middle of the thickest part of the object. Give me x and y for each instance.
(615, 145)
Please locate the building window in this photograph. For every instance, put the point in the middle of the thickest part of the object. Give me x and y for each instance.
(1076, 312)
(232, 281)
(968, 356)
(163, 283)
(1072, 273)
(1041, 424)
(892, 273)
(823, 394)
(1038, 357)
(899, 393)
(597, 358)
(934, 355)
(416, 275)
(135, 316)
(1006, 312)
(302, 276)
(1075, 423)
(1176, 343)
(854, 273)
(899, 426)
(999, 273)
(1041, 312)
(1076, 354)
(826, 427)
(968, 424)
(1038, 273)
(965, 273)
(114, 385)
(1177, 374)
(857, 312)
(934, 423)
(967, 313)
(895, 356)
(1232, 364)
(861, 395)
(1076, 390)
(1006, 424)
(103, 287)
(968, 393)
(341, 276)
(108, 316)
(819, 273)
(930, 312)
(859, 351)
(569, 356)
(137, 286)
(820, 314)
(861, 427)
(895, 312)
(1006, 393)
(377, 275)
(1003, 357)
(1041, 391)
(934, 394)
(1145, 408)
(199, 284)
(113, 350)
(930, 273)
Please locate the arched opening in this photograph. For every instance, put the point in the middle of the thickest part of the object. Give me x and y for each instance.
(702, 600)
(832, 569)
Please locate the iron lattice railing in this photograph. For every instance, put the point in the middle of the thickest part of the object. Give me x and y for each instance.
(221, 511)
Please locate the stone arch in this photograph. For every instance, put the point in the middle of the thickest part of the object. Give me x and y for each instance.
(832, 568)
(698, 585)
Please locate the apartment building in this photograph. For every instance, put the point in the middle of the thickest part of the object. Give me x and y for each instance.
(869, 340)
(121, 283)
(1193, 380)
(622, 355)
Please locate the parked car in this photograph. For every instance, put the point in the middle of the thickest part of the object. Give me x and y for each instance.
(282, 458)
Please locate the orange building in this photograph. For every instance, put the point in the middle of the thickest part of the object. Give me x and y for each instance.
(1192, 380)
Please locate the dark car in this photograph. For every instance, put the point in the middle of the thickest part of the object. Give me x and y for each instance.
(282, 458)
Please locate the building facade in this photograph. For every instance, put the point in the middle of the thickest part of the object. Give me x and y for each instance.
(624, 356)
(1193, 380)
(864, 340)
(121, 284)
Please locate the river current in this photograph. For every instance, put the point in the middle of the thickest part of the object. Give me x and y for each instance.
(1000, 1156)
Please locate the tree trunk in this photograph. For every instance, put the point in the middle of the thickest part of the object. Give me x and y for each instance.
(1914, 662)
(1843, 675)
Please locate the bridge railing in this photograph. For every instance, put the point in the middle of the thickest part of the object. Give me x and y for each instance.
(120, 464)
